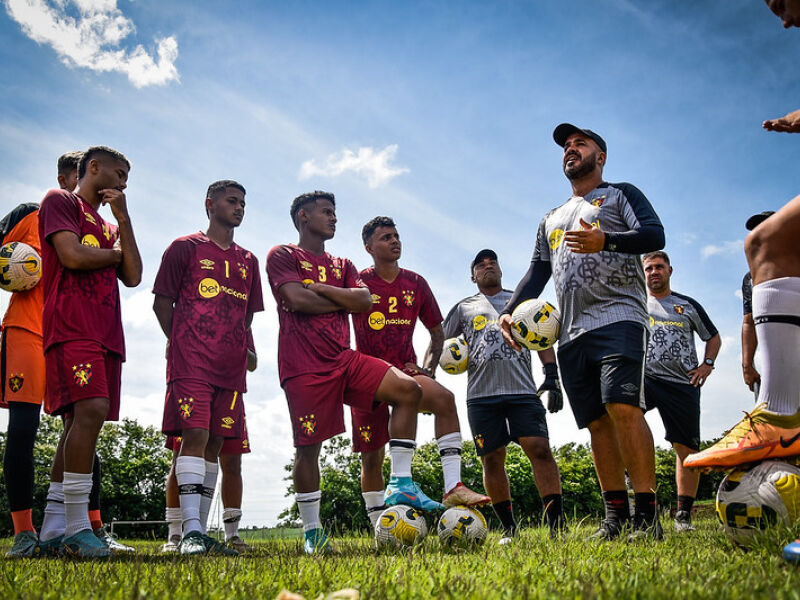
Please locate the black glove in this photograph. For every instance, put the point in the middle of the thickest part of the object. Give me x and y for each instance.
(552, 387)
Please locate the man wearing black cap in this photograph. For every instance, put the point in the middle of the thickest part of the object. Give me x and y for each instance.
(503, 403)
(590, 245)
(749, 340)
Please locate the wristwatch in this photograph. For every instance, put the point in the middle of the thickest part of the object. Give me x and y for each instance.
(709, 362)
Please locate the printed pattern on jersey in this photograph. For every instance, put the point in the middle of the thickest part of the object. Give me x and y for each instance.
(672, 322)
(603, 287)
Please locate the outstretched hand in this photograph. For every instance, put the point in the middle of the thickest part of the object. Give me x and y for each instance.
(788, 124)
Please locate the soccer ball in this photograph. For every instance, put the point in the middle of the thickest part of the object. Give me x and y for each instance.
(20, 267)
(461, 526)
(751, 499)
(400, 525)
(455, 356)
(537, 324)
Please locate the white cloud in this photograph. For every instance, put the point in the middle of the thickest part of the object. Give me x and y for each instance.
(92, 38)
(738, 294)
(366, 162)
(736, 246)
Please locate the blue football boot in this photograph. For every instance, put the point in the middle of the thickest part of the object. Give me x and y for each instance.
(85, 544)
(25, 543)
(50, 548)
(791, 552)
(316, 542)
(402, 490)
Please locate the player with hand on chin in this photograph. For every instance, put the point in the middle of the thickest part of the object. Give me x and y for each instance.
(590, 246)
(399, 297)
(206, 292)
(314, 292)
(82, 258)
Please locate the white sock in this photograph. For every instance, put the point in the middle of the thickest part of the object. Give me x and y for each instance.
(190, 472)
(308, 505)
(55, 521)
(450, 452)
(401, 452)
(76, 488)
(209, 485)
(174, 521)
(231, 518)
(375, 506)
(779, 343)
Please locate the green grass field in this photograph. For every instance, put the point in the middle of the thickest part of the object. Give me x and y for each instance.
(698, 565)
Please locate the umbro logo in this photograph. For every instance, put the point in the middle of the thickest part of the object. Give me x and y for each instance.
(790, 441)
(629, 389)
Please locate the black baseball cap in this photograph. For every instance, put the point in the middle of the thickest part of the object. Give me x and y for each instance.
(563, 131)
(757, 219)
(485, 253)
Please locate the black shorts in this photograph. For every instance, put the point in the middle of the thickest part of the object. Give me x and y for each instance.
(604, 365)
(497, 420)
(679, 407)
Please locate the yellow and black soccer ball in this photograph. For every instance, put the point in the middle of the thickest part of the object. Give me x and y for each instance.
(20, 267)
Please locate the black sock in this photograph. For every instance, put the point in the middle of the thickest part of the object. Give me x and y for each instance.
(505, 513)
(616, 505)
(645, 505)
(685, 503)
(553, 511)
(94, 494)
(18, 465)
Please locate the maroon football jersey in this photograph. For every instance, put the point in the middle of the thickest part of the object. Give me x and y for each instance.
(78, 304)
(213, 290)
(386, 331)
(309, 343)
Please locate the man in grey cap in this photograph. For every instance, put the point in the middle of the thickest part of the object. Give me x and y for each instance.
(503, 403)
(591, 245)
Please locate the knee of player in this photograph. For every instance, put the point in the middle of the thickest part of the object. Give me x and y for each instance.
(494, 462)
(92, 411)
(624, 413)
(409, 391)
(539, 449)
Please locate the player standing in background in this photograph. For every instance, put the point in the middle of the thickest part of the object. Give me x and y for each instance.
(772, 430)
(590, 245)
(82, 258)
(503, 403)
(399, 297)
(230, 463)
(752, 378)
(673, 375)
(314, 292)
(206, 292)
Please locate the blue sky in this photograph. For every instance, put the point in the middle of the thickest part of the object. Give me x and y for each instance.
(438, 114)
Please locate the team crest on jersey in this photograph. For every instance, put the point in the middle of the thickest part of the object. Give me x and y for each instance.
(308, 424)
(555, 238)
(227, 422)
(365, 431)
(242, 269)
(337, 272)
(305, 265)
(185, 407)
(82, 374)
(375, 298)
(90, 218)
(679, 309)
(207, 264)
(408, 298)
(479, 441)
(90, 240)
(598, 202)
(15, 382)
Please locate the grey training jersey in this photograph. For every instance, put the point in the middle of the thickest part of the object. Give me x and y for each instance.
(601, 288)
(670, 349)
(494, 369)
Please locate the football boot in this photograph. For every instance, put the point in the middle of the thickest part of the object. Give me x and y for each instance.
(171, 545)
(316, 542)
(403, 490)
(85, 544)
(25, 543)
(791, 552)
(238, 544)
(760, 435)
(683, 521)
(112, 543)
(646, 530)
(461, 495)
(52, 547)
(195, 543)
(609, 530)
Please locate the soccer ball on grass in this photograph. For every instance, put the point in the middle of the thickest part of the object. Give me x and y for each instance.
(400, 525)
(461, 526)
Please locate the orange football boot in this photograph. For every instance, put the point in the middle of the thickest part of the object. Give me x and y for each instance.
(758, 436)
(461, 495)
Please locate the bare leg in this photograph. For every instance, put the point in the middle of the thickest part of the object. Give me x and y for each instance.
(372, 471)
(306, 468)
(635, 445)
(495, 479)
(545, 469)
(79, 445)
(440, 401)
(231, 466)
(404, 395)
(605, 452)
(686, 479)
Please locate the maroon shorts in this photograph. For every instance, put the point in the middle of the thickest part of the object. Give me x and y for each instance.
(315, 400)
(192, 403)
(229, 446)
(80, 370)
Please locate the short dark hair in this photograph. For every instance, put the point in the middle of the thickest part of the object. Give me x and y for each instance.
(69, 162)
(657, 254)
(222, 185)
(99, 150)
(372, 225)
(308, 198)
